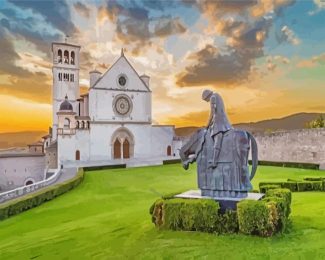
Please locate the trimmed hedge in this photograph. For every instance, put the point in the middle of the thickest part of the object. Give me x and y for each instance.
(35, 199)
(312, 166)
(104, 167)
(283, 194)
(190, 215)
(314, 179)
(266, 187)
(308, 184)
(267, 216)
(193, 215)
(263, 218)
(257, 217)
(171, 161)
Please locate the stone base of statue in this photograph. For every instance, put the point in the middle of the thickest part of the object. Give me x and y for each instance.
(224, 194)
(225, 202)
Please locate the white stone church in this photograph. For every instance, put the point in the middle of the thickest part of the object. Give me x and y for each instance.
(112, 121)
(111, 124)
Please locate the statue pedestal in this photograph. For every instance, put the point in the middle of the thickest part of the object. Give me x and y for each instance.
(225, 202)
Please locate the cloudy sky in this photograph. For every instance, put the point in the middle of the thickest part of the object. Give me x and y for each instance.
(265, 57)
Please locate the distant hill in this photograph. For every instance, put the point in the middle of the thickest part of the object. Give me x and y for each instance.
(19, 139)
(295, 121)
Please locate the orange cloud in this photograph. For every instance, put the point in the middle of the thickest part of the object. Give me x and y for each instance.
(311, 63)
(17, 115)
(36, 87)
(189, 119)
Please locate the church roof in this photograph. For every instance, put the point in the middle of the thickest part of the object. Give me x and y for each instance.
(39, 143)
(95, 71)
(121, 57)
(66, 105)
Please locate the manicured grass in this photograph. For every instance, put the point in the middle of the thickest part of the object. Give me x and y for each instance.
(107, 217)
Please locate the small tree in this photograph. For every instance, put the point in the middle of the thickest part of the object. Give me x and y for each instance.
(317, 123)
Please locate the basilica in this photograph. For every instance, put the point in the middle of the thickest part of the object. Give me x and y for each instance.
(113, 121)
(109, 125)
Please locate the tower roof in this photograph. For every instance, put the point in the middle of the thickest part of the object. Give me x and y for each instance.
(95, 71)
(65, 44)
(66, 105)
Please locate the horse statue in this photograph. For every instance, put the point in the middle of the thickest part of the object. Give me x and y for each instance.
(221, 156)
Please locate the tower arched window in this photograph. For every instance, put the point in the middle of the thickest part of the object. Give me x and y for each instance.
(66, 123)
(59, 56)
(72, 57)
(66, 57)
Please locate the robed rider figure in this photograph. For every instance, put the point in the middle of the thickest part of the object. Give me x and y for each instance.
(221, 153)
(218, 124)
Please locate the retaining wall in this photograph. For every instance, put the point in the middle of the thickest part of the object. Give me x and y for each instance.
(303, 145)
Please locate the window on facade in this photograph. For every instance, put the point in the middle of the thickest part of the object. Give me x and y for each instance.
(66, 123)
(72, 77)
(66, 57)
(82, 124)
(60, 76)
(169, 150)
(72, 58)
(78, 125)
(88, 125)
(59, 56)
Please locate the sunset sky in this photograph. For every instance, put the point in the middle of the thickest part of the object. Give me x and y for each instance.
(266, 58)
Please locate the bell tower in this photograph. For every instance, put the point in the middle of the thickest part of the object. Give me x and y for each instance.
(65, 72)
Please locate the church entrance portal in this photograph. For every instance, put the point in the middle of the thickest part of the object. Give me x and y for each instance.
(122, 144)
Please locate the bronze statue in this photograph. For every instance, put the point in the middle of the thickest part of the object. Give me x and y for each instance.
(221, 153)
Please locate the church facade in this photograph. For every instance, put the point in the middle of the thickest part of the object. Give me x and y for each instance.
(113, 121)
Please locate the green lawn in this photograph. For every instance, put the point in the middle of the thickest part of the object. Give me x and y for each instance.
(107, 217)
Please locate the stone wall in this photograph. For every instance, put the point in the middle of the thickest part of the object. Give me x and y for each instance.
(303, 145)
(17, 169)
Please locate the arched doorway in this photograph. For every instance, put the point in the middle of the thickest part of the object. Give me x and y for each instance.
(29, 183)
(77, 155)
(117, 149)
(169, 150)
(126, 149)
(122, 144)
